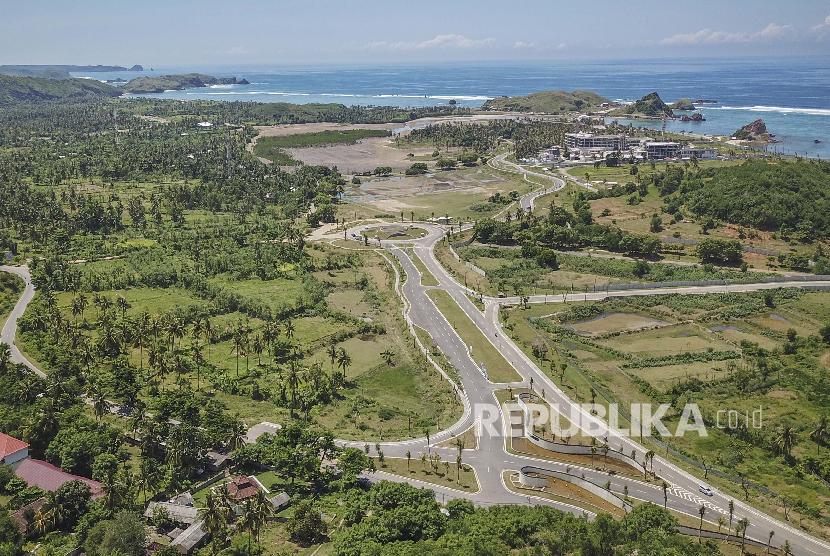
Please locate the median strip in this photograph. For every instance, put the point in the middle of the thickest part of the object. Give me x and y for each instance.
(482, 351)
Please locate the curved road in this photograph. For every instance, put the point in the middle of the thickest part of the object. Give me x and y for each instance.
(491, 459)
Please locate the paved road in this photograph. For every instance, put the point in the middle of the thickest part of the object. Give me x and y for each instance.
(7, 335)
(491, 458)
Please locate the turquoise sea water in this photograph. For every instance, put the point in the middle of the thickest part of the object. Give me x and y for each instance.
(791, 94)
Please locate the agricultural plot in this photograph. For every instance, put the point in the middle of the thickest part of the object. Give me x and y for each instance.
(740, 352)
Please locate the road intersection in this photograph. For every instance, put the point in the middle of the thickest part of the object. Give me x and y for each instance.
(492, 459)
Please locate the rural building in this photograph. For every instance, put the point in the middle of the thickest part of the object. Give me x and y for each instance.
(241, 488)
(187, 515)
(48, 477)
(191, 538)
(12, 450)
(38, 473)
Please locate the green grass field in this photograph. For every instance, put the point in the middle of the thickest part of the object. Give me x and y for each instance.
(463, 479)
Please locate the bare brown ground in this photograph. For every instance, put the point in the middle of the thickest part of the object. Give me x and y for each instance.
(363, 156)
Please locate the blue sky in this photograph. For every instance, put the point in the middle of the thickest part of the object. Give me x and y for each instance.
(277, 32)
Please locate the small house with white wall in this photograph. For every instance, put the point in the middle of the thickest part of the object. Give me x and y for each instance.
(12, 450)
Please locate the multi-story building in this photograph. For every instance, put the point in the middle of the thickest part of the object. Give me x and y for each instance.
(658, 150)
(699, 153)
(589, 141)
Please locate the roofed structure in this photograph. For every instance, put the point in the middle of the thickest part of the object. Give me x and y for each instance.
(12, 450)
(242, 487)
(48, 477)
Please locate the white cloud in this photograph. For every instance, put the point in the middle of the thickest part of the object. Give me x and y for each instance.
(540, 47)
(438, 41)
(771, 32)
(823, 27)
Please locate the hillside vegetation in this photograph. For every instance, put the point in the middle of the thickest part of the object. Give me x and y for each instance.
(16, 89)
(552, 102)
(775, 196)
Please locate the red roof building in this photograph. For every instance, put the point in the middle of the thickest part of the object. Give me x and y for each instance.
(242, 488)
(48, 477)
(12, 450)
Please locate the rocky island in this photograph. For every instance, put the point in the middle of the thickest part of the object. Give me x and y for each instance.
(683, 104)
(549, 102)
(755, 132)
(148, 84)
(650, 106)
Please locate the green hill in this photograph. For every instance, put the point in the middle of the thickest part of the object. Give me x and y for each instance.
(550, 102)
(651, 106)
(17, 89)
(761, 194)
(142, 85)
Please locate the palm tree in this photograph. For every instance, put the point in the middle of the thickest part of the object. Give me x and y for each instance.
(701, 511)
(731, 514)
(258, 348)
(408, 459)
(175, 330)
(208, 332)
(123, 305)
(238, 342)
(331, 350)
(293, 383)
(665, 495)
(786, 439)
(77, 306)
(142, 327)
(5, 356)
(721, 523)
(743, 525)
(198, 359)
(215, 517)
(344, 360)
(388, 356)
(289, 329)
(148, 475)
(820, 433)
(769, 540)
(99, 401)
(236, 435)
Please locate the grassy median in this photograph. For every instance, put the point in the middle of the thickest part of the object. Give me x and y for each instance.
(498, 369)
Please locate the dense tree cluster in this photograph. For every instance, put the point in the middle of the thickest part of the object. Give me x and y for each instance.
(790, 197)
(528, 136)
(393, 518)
(566, 230)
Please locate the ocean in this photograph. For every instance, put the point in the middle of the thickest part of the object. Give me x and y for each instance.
(792, 95)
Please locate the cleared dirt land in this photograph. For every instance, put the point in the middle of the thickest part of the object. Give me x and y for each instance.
(363, 156)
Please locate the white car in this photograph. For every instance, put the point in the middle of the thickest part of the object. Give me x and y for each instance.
(707, 490)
